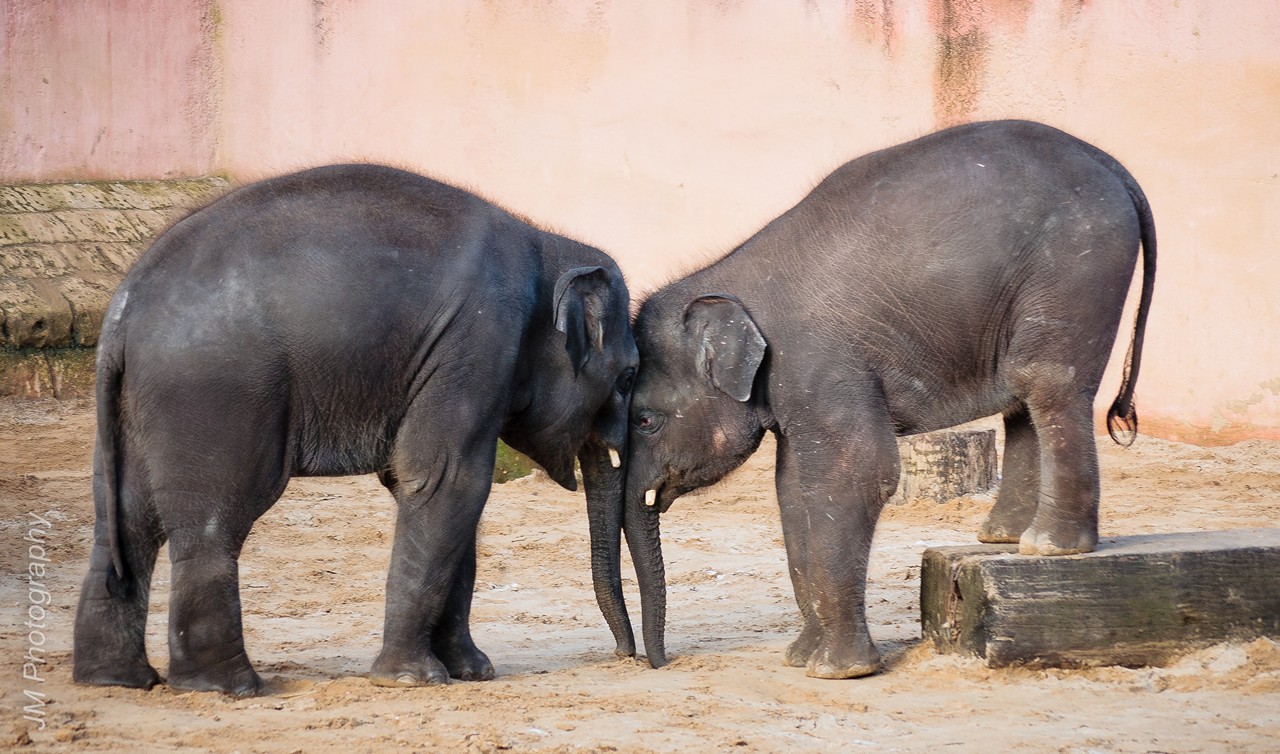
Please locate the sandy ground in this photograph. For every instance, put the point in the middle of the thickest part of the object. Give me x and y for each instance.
(312, 582)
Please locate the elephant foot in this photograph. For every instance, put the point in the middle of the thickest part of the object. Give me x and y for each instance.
(391, 672)
(241, 682)
(408, 680)
(465, 663)
(134, 675)
(800, 650)
(1063, 541)
(844, 660)
(1008, 519)
(997, 533)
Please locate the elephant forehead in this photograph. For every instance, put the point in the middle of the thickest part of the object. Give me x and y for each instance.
(660, 382)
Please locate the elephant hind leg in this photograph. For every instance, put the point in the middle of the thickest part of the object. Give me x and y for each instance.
(109, 647)
(206, 639)
(1019, 493)
(1055, 365)
(206, 635)
(1066, 518)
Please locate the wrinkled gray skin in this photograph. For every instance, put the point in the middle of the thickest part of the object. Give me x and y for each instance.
(344, 320)
(981, 270)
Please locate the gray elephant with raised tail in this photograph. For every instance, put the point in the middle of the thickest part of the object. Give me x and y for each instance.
(343, 320)
(980, 270)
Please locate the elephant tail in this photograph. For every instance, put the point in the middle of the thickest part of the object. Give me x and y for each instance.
(1122, 417)
(110, 372)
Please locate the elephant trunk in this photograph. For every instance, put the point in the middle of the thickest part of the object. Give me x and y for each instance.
(640, 523)
(604, 480)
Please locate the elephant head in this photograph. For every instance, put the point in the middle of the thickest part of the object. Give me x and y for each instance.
(697, 413)
(574, 403)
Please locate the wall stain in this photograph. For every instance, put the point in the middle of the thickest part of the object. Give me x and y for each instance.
(961, 31)
(875, 19)
(321, 25)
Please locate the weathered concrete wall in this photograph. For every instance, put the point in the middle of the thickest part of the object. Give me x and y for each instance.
(665, 131)
(63, 250)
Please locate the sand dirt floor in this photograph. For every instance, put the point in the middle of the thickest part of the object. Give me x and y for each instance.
(312, 577)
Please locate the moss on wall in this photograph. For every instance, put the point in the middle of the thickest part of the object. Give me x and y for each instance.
(46, 372)
(511, 464)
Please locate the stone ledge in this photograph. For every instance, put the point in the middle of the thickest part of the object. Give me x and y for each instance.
(64, 247)
(118, 195)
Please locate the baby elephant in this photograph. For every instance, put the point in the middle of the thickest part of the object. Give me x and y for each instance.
(980, 270)
(344, 320)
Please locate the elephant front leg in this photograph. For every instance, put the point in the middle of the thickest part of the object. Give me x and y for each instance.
(794, 528)
(451, 641)
(831, 494)
(426, 638)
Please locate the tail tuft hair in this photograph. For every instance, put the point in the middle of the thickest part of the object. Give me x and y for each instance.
(1122, 423)
(1122, 417)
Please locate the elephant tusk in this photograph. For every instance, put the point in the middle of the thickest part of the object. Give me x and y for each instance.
(614, 459)
(650, 497)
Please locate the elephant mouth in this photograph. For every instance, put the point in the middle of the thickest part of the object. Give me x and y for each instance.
(562, 474)
(611, 447)
(660, 497)
(558, 463)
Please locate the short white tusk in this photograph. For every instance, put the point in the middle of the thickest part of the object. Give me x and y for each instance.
(614, 459)
(650, 497)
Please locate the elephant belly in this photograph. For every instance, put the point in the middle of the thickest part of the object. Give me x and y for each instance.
(916, 406)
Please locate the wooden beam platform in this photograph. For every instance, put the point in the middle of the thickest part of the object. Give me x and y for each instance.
(1137, 600)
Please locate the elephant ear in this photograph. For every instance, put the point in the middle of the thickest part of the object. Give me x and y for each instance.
(580, 302)
(730, 347)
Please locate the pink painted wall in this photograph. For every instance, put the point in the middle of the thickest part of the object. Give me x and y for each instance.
(107, 89)
(665, 131)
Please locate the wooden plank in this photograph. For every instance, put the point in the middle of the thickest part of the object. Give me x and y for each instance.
(1138, 600)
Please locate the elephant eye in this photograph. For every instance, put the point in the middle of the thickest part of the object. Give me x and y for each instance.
(647, 422)
(626, 380)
